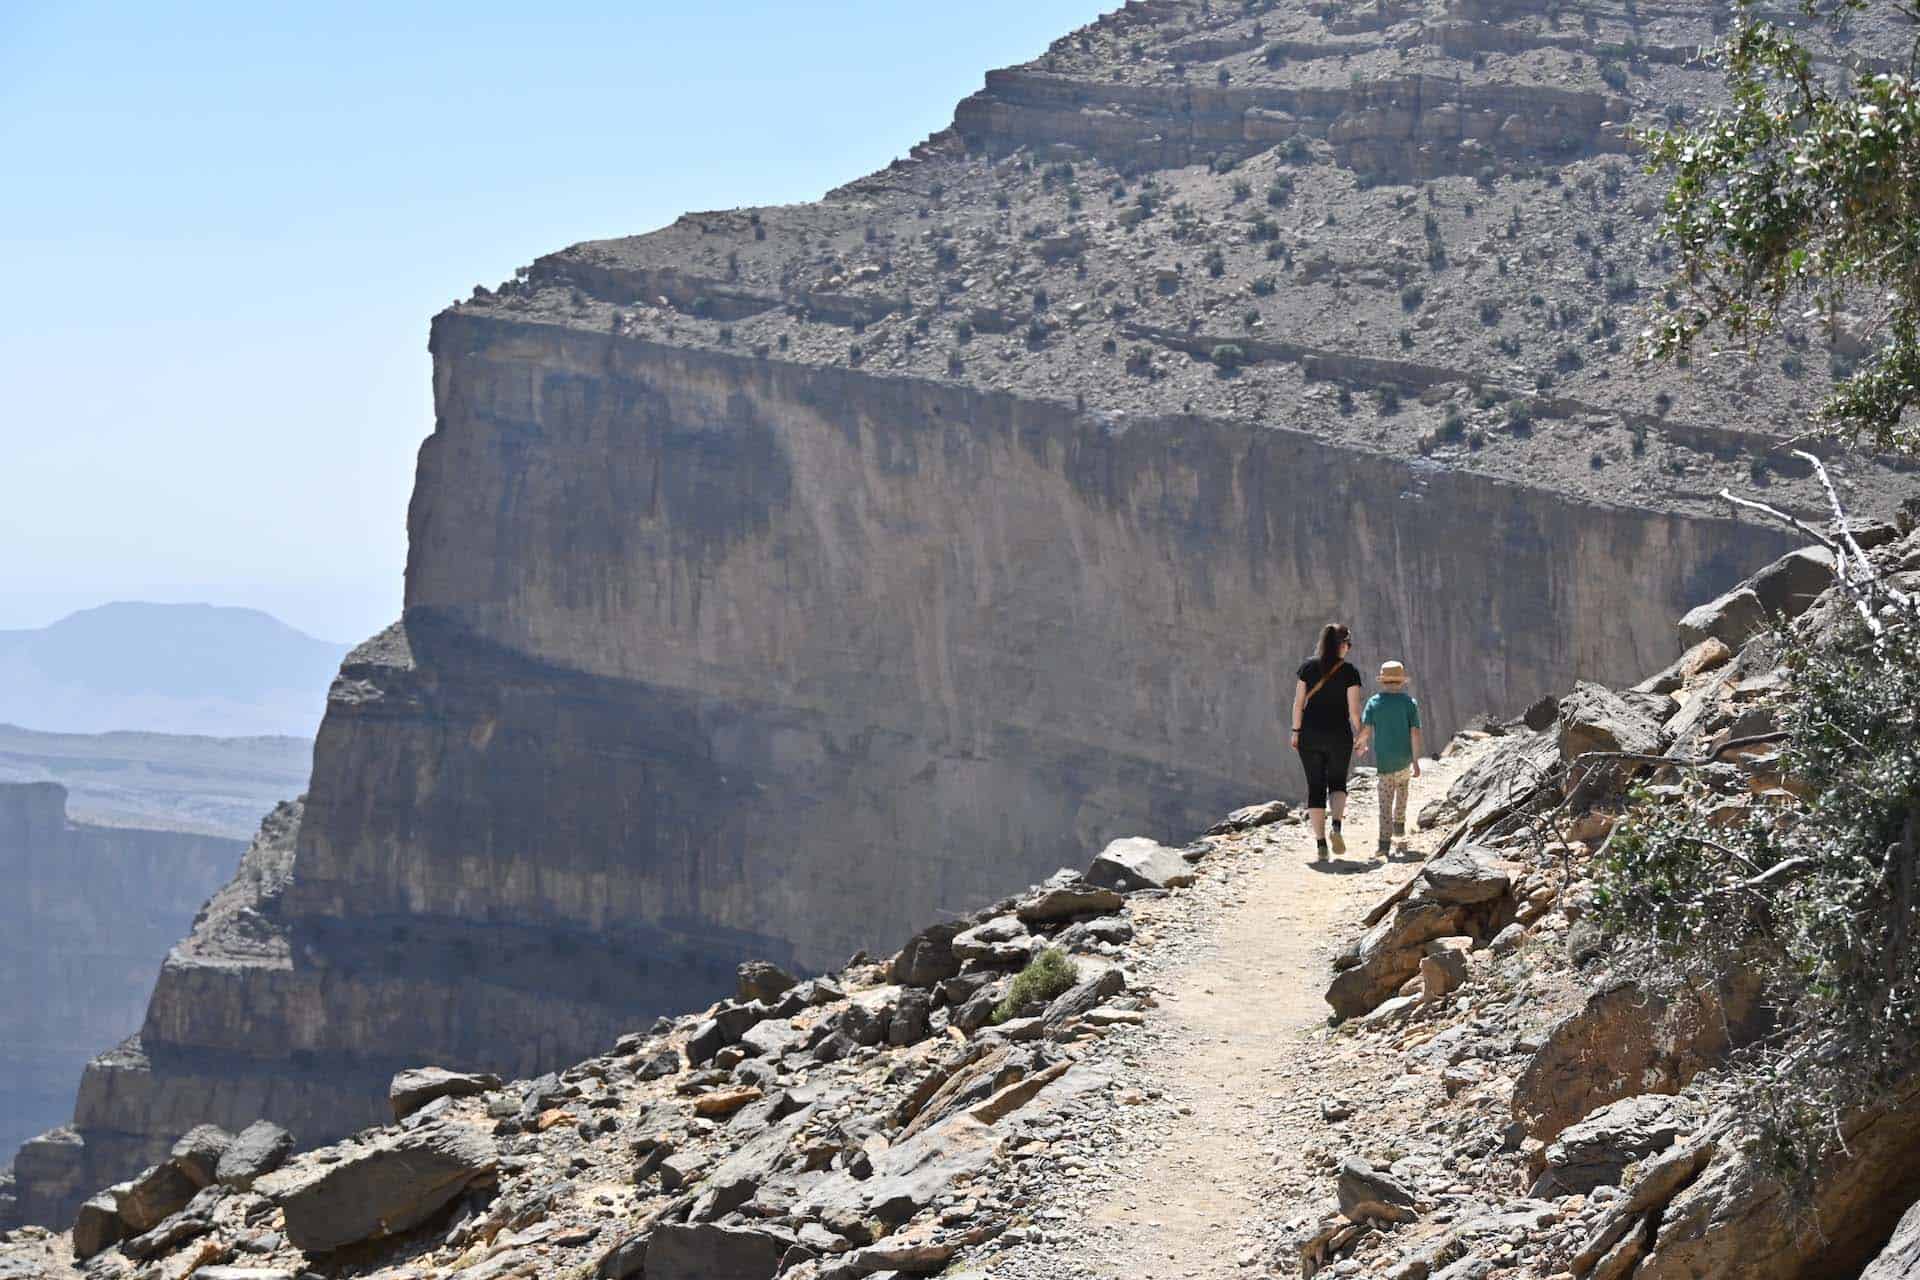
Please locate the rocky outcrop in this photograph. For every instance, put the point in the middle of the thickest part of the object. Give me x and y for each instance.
(662, 1158)
(88, 915)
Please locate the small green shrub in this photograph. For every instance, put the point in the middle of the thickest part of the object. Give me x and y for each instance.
(1230, 356)
(1047, 976)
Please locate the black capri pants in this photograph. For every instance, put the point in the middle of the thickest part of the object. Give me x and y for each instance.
(1326, 761)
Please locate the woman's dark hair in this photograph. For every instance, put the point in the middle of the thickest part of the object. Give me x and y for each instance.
(1332, 636)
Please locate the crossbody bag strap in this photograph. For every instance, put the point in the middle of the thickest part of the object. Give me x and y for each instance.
(1321, 683)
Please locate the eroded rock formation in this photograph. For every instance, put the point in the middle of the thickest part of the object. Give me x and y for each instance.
(87, 914)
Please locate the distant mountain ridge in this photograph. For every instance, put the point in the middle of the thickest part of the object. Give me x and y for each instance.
(167, 668)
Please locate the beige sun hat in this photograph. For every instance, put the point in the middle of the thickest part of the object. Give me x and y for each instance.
(1392, 672)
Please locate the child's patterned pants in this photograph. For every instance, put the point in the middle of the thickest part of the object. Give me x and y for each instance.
(1393, 804)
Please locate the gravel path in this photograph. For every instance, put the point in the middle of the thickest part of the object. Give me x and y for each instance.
(1219, 1137)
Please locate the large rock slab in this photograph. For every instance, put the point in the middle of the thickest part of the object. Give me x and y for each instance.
(1366, 1193)
(98, 1225)
(381, 1187)
(1900, 1260)
(415, 1088)
(1465, 876)
(928, 958)
(256, 1151)
(907, 1177)
(197, 1153)
(703, 1251)
(1628, 1041)
(1068, 902)
(154, 1195)
(1737, 1220)
(1788, 587)
(1390, 953)
(1733, 619)
(1594, 718)
(1136, 862)
(1596, 1151)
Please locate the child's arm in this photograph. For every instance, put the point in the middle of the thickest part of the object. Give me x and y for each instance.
(1418, 751)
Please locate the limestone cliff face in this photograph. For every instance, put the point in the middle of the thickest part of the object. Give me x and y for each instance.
(87, 915)
(785, 578)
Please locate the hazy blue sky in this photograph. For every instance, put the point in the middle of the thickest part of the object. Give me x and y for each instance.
(225, 227)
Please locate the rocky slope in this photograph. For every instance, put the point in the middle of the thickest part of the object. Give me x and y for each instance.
(1511, 1109)
(88, 914)
(787, 576)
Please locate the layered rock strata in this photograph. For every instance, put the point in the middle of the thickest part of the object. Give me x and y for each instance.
(88, 915)
(789, 575)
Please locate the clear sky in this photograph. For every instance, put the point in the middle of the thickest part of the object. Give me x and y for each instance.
(224, 227)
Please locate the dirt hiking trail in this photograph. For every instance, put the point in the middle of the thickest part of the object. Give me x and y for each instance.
(1239, 1003)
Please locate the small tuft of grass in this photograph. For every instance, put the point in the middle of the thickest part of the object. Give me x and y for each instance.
(1048, 975)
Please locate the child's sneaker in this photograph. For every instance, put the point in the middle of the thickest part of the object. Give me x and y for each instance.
(1338, 840)
(1384, 848)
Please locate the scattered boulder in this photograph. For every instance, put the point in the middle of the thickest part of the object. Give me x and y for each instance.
(257, 1150)
(773, 1038)
(98, 1225)
(626, 1258)
(1706, 656)
(1596, 1151)
(414, 1089)
(906, 1177)
(1368, 1194)
(1254, 815)
(1389, 954)
(658, 1065)
(928, 957)
(1003, 940)
(154, 1195)
(1136, 862)
(376, 1188)
(763, 980)
(1083, 997)
(1068, 902)
(705, 1251)
(1660, 1179)
(1594, 718)
(1733, 618)
(1465, 876)
(912, 1015)
(1788, 587)
(197, 1153)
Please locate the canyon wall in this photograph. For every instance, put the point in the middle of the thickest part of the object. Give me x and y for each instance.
(87, 916)
(786, 578)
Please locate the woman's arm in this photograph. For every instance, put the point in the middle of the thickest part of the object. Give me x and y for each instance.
(1299, 709)
(1353, 708)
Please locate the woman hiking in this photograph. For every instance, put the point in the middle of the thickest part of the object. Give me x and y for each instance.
(1326, 719)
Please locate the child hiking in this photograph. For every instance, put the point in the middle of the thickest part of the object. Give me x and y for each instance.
(1391, 723)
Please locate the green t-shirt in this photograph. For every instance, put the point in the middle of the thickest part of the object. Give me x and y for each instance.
(1394, 717)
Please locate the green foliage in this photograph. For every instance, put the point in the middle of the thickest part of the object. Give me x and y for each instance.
(1229, 356)
(1802, 193)
(1818, 898)
(1047, 976)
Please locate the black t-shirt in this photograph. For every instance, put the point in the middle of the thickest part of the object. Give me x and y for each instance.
(1326, 713)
